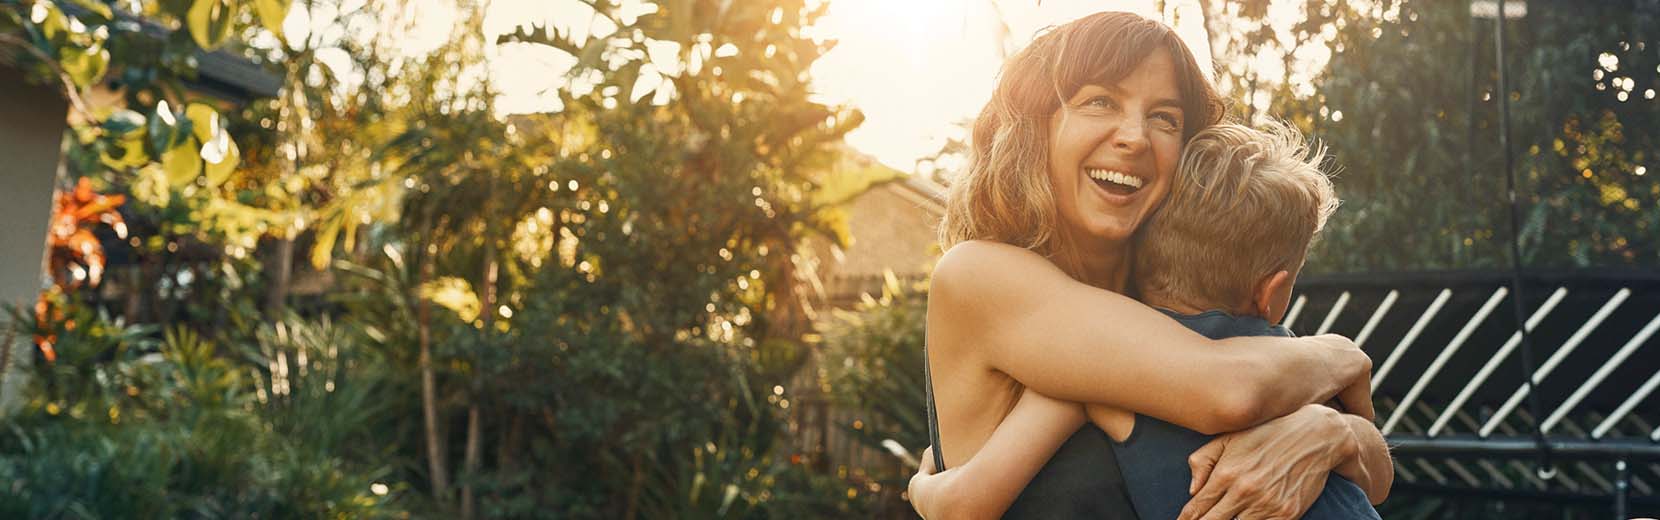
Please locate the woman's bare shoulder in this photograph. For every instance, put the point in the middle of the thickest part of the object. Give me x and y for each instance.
(982, 262)
(977, 275)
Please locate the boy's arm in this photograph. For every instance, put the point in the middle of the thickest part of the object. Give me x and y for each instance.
(986, 485)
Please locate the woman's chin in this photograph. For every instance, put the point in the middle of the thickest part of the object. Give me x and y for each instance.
(1109, 233)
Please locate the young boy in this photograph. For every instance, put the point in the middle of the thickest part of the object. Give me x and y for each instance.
(1220, 257)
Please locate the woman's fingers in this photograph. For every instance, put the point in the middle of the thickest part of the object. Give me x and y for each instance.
(1217, 486)
(1274, 470)
(1202, 461)
(1228, 506)
(1357, 398)
(915, 490)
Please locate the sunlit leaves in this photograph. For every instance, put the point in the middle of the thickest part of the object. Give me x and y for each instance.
(85, 65)
(452, 293)
(150, 185)
(182, 165)
(211, 22)
(272, 13)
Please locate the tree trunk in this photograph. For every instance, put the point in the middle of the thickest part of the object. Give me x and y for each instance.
(470, 462)
(1211, 33)
(487, 312)
(276, 297)
(635, 483)
(429, 385)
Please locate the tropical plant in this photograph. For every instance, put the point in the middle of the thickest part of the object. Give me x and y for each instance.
(123, 425)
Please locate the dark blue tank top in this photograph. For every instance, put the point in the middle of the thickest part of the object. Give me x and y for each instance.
(1081, 480)
(1154, 457)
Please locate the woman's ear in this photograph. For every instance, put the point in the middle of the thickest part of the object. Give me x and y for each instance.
(1273, 296)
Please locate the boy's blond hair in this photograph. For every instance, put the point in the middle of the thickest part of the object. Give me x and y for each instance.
(1245, 203)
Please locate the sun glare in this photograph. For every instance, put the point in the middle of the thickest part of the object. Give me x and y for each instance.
(918, 68)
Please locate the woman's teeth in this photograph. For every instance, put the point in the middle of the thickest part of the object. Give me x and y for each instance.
(1115, 177)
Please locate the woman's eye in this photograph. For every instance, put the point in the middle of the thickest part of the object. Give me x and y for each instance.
(1099, 102)
(1168, 121)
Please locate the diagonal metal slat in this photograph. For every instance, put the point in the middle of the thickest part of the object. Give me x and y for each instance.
(1496, 473)
(1544, 370)
(1446, 354)
(1336, 308)
(1493, 364)
(1411, 335)
(1602, 372)
(1377, 317)
(1296, 310)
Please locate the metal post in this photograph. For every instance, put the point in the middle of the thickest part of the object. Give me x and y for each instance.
(1622, 482)
(1546, 468)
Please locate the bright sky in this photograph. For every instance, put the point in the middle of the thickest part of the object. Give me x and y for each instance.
(916, 68)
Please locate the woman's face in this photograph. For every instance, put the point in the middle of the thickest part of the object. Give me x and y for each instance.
(1113, 150)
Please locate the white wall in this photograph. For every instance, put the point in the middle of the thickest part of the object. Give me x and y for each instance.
(32, 121)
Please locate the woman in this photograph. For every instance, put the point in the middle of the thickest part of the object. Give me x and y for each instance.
(1075, 149)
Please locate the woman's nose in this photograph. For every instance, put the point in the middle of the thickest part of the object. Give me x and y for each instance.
(1130, 137)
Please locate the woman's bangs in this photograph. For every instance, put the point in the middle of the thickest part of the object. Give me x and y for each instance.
(1105, 51)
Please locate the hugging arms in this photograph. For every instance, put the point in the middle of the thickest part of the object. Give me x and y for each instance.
(1006, 326)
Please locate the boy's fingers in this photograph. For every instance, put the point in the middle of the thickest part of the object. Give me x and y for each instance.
(1201, 462)
(927, 465)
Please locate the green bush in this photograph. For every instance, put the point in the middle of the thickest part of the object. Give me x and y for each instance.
(122, 425)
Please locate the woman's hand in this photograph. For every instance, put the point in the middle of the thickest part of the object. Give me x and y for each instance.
(923, 491)
(1273, 471)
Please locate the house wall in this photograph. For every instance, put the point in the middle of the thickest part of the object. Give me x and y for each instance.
(32, 120)
(893, 229)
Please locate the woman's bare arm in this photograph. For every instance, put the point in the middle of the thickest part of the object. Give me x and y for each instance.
(1371, 467)
(986, 485)
(1019, 314)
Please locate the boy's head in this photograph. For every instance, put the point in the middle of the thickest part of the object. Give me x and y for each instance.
(1236, 227)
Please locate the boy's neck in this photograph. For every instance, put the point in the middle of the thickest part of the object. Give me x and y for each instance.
(1184, 306)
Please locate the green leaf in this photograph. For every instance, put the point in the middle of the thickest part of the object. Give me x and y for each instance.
(122, 121)
(271, 14)
(86, 66)
(129, 153)
(204, 121)
(99, 8)
(229, 157)
(210, 22)
(182, 163)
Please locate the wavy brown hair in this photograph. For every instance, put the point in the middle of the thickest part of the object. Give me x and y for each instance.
(1005, 195)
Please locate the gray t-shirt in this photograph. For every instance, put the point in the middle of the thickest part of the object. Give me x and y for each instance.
(1154, 457)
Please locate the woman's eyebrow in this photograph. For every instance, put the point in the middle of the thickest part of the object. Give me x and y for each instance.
(1117, 91)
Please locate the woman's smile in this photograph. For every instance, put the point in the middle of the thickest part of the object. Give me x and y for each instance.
(1116, 186)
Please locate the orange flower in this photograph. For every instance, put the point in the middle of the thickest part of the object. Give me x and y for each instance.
(76, 258)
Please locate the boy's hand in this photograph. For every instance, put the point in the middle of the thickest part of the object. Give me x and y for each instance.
(1274, 471)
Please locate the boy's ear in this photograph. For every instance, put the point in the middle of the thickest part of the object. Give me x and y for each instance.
(1273, 296)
